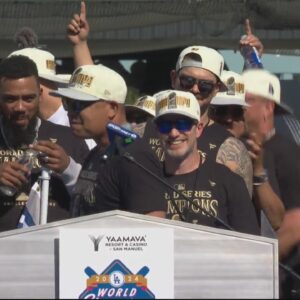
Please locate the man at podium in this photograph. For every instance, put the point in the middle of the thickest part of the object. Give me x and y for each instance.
(186, 186)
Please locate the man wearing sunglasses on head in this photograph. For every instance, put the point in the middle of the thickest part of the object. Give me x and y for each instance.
(204, 183)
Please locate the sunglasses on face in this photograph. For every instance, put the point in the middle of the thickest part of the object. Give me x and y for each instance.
(182, 125)
(76, 105)
(205, 87)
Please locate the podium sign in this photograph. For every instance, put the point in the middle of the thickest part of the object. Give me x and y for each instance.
(208, 262)
(125, 263)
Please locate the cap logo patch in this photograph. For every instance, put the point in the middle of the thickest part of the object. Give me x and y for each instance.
(173, 101)
(50, 64)
(230, 86)
(149, 104)
(271, 89)
(81, 79)
(221, 68)
(107, 93)
(140, 103)
(234, 87)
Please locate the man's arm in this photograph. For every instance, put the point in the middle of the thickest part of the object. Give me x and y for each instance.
(241, 211)
(289, 232)
(264, 196)
(235, 156)
(77, 33)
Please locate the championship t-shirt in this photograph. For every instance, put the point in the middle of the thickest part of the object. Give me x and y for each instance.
(139, 184)
(59, 200)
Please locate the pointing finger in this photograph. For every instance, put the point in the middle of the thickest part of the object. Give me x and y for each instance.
(83, 11)
(248, 29)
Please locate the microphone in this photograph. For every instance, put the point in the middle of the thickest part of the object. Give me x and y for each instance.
(129, 157)
(115, 130)
(119, 139)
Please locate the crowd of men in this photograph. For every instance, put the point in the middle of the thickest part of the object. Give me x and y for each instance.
(205, 151)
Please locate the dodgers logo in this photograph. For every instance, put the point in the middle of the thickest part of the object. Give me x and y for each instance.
(117, 282)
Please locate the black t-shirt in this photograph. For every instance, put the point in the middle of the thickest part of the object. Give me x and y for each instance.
(213, 136)
(282, 161)
(130, 187)
(59, 199)
(84, 196)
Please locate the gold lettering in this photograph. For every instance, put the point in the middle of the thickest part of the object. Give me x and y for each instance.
(202, 194)
(50, 64)
(149, 104)
(214, 204)
(155, 142)
(82, 79)
(170, 209)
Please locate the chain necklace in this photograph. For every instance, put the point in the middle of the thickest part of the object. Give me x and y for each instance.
(7, 143)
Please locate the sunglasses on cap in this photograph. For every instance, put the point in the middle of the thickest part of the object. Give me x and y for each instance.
(182, 125)
(76, 105)
(205, 87)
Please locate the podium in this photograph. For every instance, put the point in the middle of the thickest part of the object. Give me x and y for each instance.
(208, 262)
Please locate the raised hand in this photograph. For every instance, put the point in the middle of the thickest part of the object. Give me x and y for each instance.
(255, 143)
(250, 39)
(78, 27)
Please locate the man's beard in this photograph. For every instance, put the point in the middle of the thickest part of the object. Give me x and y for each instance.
(17, 138)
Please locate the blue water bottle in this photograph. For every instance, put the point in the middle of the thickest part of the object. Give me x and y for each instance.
(251, 57)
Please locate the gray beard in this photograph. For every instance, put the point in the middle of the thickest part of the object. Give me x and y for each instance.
(17, 138)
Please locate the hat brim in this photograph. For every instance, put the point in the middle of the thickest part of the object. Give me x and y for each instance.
(132, 108)
(53, 78)
(176, 113)
(75, 94)
(283, 108)
(228, 101)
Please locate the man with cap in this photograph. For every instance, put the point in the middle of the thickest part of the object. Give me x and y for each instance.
(50, 107)
(21, 128)
(199, 70)
(281, 155)
(227, 109)
(94, 97)
(138, 114)
(205, 193)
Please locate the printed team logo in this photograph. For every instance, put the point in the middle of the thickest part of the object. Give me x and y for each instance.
(117, 282)
(271, 89)
(172, 103)
(230, 86)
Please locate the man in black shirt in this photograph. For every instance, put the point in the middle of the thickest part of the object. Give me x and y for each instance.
(207, 186)
(21, 129)
(281, 155)
(199, 70)
(94, 97)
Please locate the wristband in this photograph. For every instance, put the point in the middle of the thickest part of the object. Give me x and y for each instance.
(260, 179)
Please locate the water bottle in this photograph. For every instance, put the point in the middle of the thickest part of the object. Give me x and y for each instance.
(27, 159)
(251, 57)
